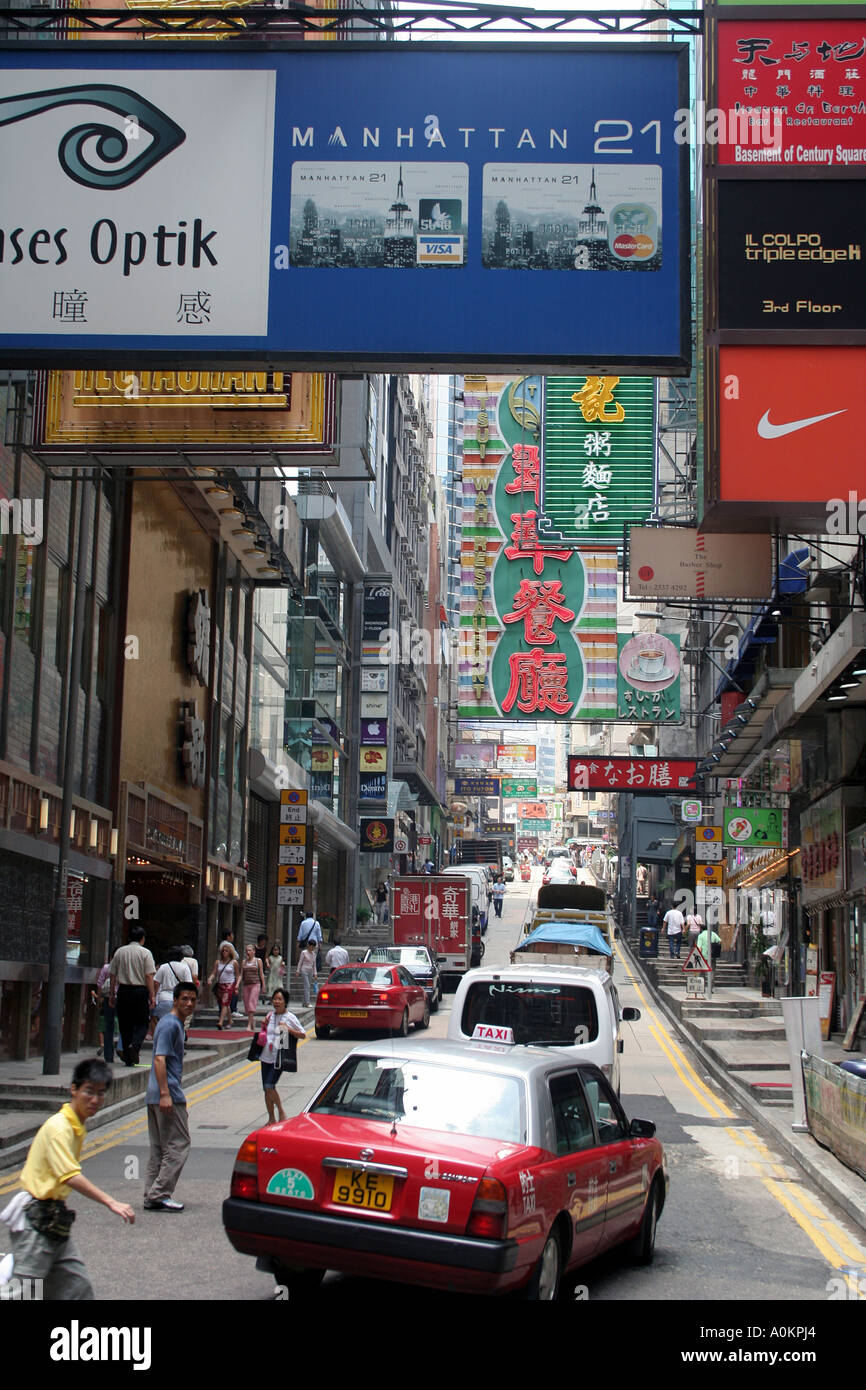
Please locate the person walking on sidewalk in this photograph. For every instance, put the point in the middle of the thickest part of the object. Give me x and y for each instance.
(38, 1218)
(101, 995)
(307, 971)
(279, 1027)
(337, 956)
(311, 930)
(652, 914)
(674, 921)
(167, 1124)
(498, 894)
(132, 988)
(252, 982)
(694, 923)
(709, 944)
(224, 979)
(276, 969)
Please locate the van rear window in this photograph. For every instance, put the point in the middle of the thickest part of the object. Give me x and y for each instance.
(536, 1012)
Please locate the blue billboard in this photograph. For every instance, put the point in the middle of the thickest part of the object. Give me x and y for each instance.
(447, 206)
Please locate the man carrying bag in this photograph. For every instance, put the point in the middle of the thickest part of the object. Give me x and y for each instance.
(311, 930)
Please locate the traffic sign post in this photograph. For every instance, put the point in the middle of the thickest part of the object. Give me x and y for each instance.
(697, 974)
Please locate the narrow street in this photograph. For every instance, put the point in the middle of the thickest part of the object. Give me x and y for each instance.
(740, 1223)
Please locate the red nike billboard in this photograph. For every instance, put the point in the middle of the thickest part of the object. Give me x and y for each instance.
(791, 426)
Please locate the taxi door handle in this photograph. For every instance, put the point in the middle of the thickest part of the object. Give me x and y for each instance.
(571, 1179)
(612, 1165)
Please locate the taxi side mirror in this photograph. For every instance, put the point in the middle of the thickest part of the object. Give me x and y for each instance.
(630, 1015)
(641, 1129)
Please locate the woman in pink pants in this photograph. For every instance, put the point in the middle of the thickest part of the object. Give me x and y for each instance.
(253, 982)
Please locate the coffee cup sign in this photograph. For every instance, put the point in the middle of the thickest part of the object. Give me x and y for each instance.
(648, 677)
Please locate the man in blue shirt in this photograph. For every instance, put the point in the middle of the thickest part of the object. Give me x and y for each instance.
(166, 1104)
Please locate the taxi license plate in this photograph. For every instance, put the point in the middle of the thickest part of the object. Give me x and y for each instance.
(371, 1191)
(353, 1013)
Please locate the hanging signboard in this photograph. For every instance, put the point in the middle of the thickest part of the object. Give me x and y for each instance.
(379, 194)
(598, 448)
(648, 677)
(683, 562)
(519, 787)
(790, 254)
(632, 774)
(791, 91)
(537, 620)
(476, 786)
(755, 827)
(377, 835)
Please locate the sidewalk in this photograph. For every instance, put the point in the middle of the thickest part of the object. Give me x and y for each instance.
(740, 1038)
(27, 1097)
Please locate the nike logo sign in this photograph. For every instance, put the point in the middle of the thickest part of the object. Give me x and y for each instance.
(767, 430)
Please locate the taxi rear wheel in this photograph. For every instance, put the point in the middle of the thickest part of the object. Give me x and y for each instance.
(543, 1287)
(323, 1030)
(403, 1030)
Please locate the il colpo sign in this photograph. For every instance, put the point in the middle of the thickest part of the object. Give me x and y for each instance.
(334, 204)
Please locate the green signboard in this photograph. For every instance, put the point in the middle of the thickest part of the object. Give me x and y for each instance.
(597, 457)
(532, 827)
(648, 677)
(755, 827)
(523, 787)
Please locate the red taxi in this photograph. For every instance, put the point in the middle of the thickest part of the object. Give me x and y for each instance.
(371, 995)
(479, 1168)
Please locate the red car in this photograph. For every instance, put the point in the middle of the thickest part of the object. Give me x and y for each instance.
(474, 1167)
(385, 997)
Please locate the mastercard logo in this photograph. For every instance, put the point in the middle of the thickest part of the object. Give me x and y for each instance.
(633, 247)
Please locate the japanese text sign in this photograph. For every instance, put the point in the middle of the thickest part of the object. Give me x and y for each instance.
(631, 774)
(648, 677)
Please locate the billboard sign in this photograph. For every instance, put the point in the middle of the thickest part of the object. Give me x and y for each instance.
(790, 254)
(537, 618)
(475, 755)
(377, 835)
(683, 562)
(755, 827)
(379, 196)
(519, 787)
(778, 438)
(137, 409)
(476, 786)
(808, 73)
(515, 755)
(598, 446)
(648, 677)
(631, 774)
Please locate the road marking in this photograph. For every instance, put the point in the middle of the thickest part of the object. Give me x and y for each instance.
(829, 1237)
(204, 1090)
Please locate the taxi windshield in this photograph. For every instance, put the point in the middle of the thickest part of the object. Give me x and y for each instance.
(454, 1100)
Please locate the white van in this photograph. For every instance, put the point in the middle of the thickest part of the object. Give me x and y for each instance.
(479, 893)
(565, 1006)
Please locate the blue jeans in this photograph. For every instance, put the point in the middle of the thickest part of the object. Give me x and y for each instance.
(674, 944)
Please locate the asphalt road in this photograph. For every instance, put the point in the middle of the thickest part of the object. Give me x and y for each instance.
(741, 1223)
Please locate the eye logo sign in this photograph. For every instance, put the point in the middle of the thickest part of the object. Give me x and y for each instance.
(85, 144)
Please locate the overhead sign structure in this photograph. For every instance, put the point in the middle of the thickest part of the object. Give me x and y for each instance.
(684, 562)
(515, 787)
(632, 774)
(803, 80)
(537, 619)
(457, 205)
(514, 755)
(790, 254)
(755, 827)
(598, 448)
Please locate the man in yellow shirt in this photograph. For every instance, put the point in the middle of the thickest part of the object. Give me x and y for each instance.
(38, 1218)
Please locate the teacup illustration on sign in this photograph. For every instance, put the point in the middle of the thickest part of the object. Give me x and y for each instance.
(649, 661)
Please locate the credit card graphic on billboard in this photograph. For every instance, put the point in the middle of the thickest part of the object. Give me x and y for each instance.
(572, 217)
(386, 216)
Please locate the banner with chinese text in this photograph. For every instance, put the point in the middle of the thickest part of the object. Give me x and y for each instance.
(538, 621)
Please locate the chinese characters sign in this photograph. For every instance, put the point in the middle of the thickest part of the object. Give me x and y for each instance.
(648, 678)
(631, 774)
(431, 911)
(810, 73)
(537, 620)
(518, 787)
(476, 786)
(597, 456)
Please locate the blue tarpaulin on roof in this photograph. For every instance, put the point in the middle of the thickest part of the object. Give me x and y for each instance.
(568, 934)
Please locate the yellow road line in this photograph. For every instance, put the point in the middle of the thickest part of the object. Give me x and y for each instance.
(204, 1090)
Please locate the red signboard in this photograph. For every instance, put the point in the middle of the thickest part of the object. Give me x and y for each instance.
(631, 774)
(792, 422)
(800, 85)
(433, 910)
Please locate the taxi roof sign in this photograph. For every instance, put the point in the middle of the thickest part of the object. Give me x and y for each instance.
(489, 1032)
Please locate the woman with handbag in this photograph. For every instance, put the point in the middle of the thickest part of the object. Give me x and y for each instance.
(253, 982)
(278, 1040)
(223, 977)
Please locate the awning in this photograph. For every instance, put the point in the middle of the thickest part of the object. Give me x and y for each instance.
(418, 782)
(766, 694)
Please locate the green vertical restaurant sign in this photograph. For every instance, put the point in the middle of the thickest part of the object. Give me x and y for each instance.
(597, 457)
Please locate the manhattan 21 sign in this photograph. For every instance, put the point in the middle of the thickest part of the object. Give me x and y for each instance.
(345, 204)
